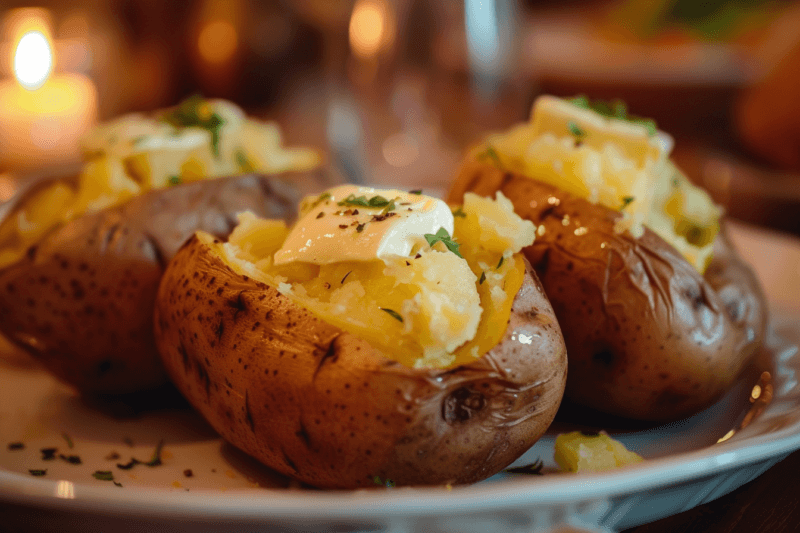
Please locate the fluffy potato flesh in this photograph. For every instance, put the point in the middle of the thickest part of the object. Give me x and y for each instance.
(599, 153)
(424, 309)
(338, 399)
(126, 157)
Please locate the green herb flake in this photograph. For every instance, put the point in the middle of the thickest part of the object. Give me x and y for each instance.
(67, 438)
(196, 112)
(103, 475)
(416, 191)
(120, 484)
(491, 153)
(576, 130)
(38, 472)
(483, 278)
(16, 446)
(155, 460)
(48, 454)
(174, 180)
(443, 237)
(500, 263)
(245, 165)
(394, 314)
(626, 201)
(580, 101)
(535, 468)
(615, 109)
(459, 213)
(388, 483)
(130, 464)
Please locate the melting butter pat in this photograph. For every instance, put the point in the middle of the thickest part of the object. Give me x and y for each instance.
(337, 226)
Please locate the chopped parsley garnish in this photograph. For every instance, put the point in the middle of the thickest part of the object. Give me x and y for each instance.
(374, 202)
(38, 472)
(500, 263)
(535, 468)
(394, 314)
(48, 454)
(196, 112)
(388, 483)
(69, 440)
(576, 130)
(244, 163)
(16, 446)
(120, 484)
(130, 464)
(155, 460)
(626, 201)
(490, 153)
(71, 459)
(443, 237)
(389, 207)
(483, 278)
(175, 180)
(103, 475)
(459, 213)
(415, 191)
(615, 109)
(360, 227)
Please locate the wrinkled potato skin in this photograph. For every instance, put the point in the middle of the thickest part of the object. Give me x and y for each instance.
(323, 406)
(81, 301)
(648, 337)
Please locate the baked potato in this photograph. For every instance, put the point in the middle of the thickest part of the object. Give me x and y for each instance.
(658, 313)
(80, 258)
(368, 353)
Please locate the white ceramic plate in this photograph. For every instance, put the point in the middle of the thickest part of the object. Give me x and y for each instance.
(228, 491)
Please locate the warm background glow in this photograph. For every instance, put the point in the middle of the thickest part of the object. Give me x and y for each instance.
(217, 41)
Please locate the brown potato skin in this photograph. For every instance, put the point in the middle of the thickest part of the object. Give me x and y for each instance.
(648, 337)
(323, 406)
(81, 301)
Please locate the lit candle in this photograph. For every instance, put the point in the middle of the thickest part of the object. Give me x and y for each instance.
(42, 116)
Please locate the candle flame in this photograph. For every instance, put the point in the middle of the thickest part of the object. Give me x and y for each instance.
(371, 28)
(33, 60)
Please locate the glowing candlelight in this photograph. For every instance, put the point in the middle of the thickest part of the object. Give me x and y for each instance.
(42, 115)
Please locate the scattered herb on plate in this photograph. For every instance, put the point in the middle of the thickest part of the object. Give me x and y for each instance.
(535, 468)
(48, 454)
